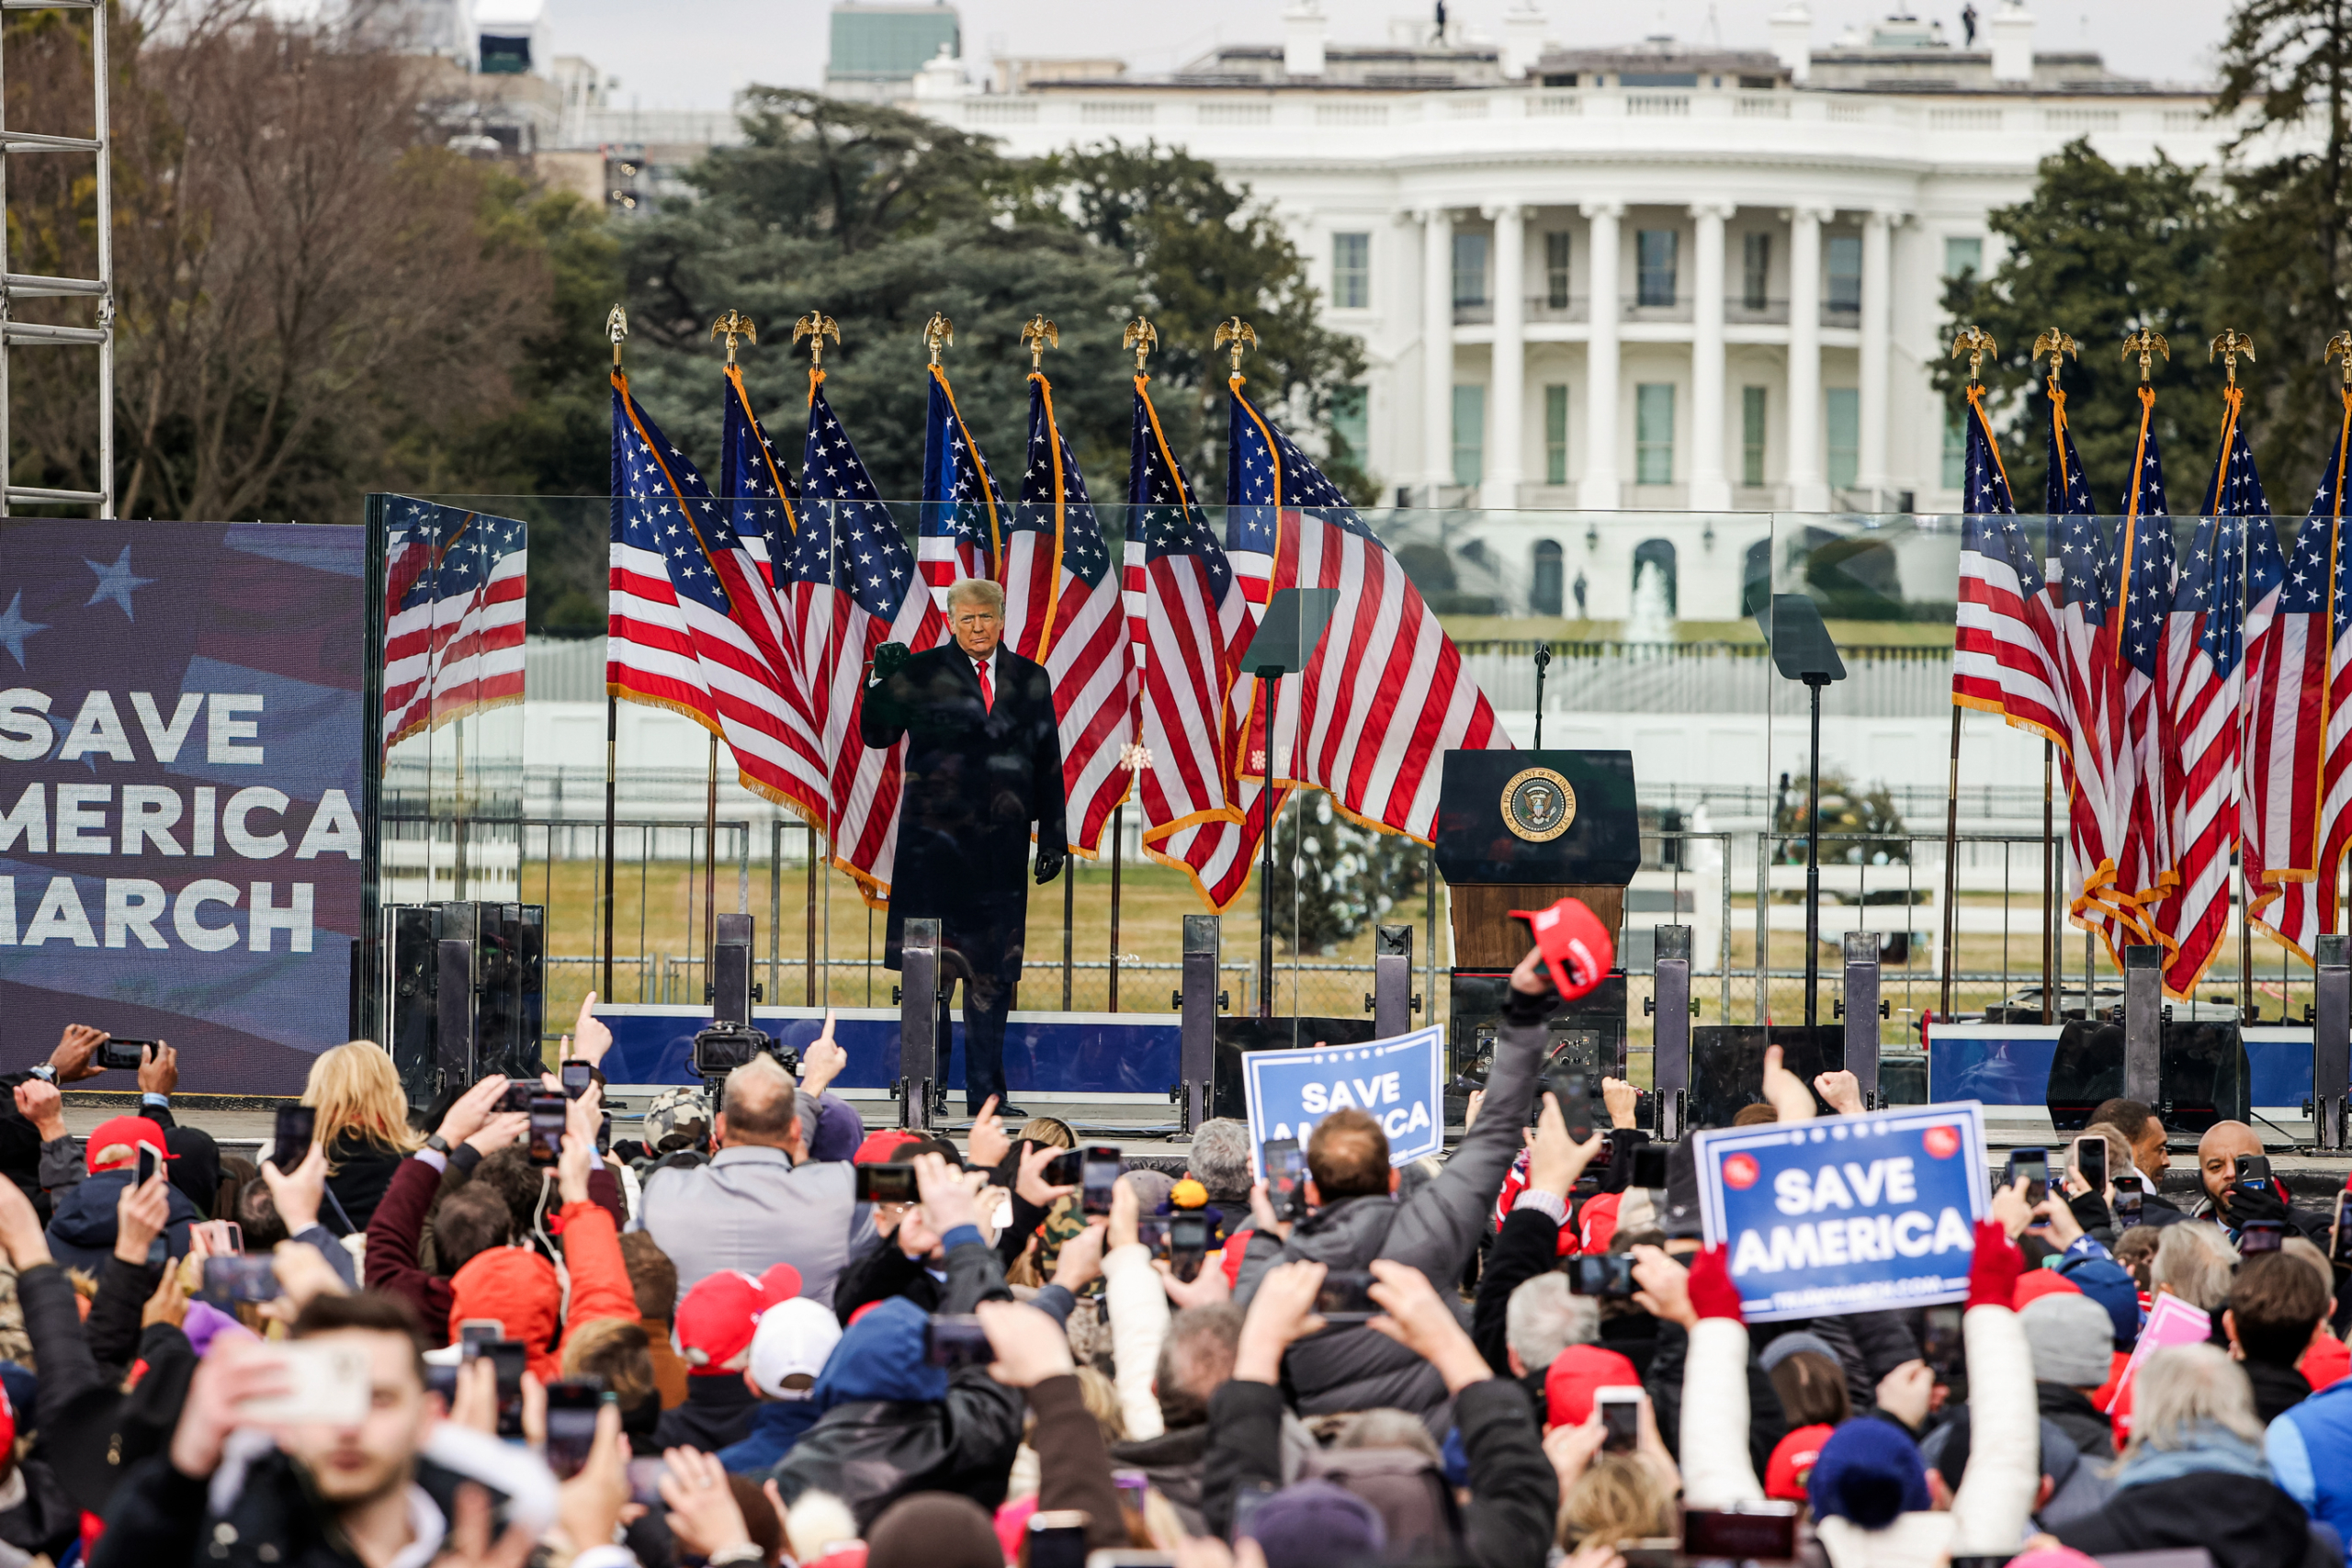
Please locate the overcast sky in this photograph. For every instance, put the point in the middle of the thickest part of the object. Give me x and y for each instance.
(695, 53)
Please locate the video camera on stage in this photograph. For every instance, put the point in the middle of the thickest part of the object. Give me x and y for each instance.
(725, 1047)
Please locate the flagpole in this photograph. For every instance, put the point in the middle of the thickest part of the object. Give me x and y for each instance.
(2049, 891)
(1975, 343)
(710, 872)
(615, 327)
(1118, 841)
(812, 916)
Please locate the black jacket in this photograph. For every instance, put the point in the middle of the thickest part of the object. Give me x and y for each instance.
(2277, 1389)
(870, 1452)
(977, 776)
(362, 1170)
(718, 1412)
(883, 1271)
(2084, 1423)
(1766, 1422)
(1527, 1244)
(1173, 1460)
(1514, 1493)
(158, 1518)
(2243, 1522)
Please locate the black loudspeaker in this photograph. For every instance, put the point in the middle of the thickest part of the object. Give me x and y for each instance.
(731, 990)
(1236, 1036)
(1587, 1035)
(2201, 1070)
(1728, 1065)
(466, 993)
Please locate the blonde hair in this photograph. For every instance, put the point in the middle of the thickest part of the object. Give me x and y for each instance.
(975, 590)
(357, 1090)
(1102, 1400)
(1618, 1499)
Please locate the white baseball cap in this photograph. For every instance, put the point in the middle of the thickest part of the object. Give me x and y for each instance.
(790, 1346)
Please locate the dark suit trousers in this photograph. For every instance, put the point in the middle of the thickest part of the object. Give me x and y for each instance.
(987, 999)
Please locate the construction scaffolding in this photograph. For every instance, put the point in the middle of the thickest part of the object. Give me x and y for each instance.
(15, 286)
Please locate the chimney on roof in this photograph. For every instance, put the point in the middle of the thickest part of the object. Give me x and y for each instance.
(1792, 28)
(1524, 26)
(1304, 26)
(2011, 32)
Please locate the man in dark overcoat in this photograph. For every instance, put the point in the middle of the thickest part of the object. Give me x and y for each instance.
(984, 763)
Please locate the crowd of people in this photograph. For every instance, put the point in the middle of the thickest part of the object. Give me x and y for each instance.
(444, 1339)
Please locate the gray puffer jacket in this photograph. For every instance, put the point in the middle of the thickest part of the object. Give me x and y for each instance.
(1435, 1229)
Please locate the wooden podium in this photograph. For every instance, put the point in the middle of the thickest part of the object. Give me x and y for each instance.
(1522, 829)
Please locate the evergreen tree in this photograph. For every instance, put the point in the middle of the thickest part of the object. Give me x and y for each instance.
(2099, 251)
(2286, 263)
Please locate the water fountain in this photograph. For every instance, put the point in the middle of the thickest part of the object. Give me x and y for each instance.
(1649, 619)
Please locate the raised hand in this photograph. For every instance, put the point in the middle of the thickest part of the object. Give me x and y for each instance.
(589, 1039)
(989, 1144)
(159, 1069)
(1842, 1089)
(74, 1048)
(1784, 1090)
(39, 1102)
(823, 1061)
(889, 658)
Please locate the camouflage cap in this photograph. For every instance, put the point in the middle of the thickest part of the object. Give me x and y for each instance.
(674, 1110)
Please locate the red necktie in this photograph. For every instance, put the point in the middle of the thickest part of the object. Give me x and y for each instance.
(988, 691)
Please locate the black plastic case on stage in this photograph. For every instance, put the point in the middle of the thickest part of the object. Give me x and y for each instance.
(1728, 1065)
(1238, 1036)
(1588, 1035)
(508, 979)
(2202, 1074)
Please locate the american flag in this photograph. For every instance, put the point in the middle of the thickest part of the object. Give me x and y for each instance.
(853, 587)
(455, 585)
(2298, 706)
(2081, 602)
(1384, 697)
(1194, 625)
(1062, 609)
(763, 494)
(688, 628)
(2005, 658)
(961, 522)
(760, 515)
(2132, 643)
(2204, 692)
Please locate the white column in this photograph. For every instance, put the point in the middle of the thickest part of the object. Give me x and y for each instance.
(1710, 484)
(1506, 419)
(1808, 488)
(1599, 489)
(1437, 350)
(1878, 331)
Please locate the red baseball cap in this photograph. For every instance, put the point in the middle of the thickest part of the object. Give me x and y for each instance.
(883, 1148)
(720, 1314)
(1574, 1375)
(124, 1132)
(2036, 1284)
(1792, 1461)
(1576, 947)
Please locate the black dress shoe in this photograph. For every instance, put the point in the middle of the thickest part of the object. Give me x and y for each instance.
(1007, 1113)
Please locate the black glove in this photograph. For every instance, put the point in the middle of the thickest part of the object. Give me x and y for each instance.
(889, 658)
(1049, 864)
(2252, 1201)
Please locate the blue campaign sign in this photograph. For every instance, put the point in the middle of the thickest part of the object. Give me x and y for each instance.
(1399, 1082)
(1847, 1214)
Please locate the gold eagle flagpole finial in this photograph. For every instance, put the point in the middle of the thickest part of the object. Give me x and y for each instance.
(816, 327)
(2057, 345)
(2227, 346)
(937, 333)
(2146, 343)
(617, 328)
(1240, 334)
(731, 326)
(2339, 347)
(1038, 333)
(1141, 336)
(1975, 343)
